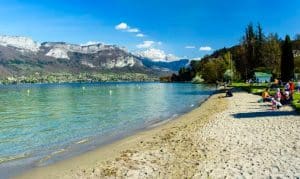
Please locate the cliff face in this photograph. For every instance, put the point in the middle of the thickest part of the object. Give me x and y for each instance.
(21, 56)
(20, 43)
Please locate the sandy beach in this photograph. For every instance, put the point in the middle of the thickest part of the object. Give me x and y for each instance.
(224, 138)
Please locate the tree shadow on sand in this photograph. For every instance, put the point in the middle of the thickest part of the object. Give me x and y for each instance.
(264, 114)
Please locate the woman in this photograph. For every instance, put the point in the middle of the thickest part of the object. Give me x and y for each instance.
(265, 96)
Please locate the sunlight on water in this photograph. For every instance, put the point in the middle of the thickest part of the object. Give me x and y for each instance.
(43, 120)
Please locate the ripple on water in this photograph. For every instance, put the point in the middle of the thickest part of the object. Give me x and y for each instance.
(14, 157)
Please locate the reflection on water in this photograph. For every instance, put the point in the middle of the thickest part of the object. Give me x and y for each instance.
(40, 120)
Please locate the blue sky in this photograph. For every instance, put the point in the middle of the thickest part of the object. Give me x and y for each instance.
(169, 26)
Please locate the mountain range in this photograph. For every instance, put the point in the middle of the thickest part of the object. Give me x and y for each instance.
(22, 56)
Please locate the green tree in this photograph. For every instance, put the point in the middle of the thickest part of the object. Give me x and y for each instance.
(209, 73)
(259, 46)
(195, 65)
(287, 60)
(214, 69)
(249, 44)
(272, 55)
(240, 61)
(186, 74)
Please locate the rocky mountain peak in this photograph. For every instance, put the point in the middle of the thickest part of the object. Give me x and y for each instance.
(21, 43)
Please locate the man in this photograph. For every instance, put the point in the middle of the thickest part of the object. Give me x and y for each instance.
(292, 89)
(276, 83)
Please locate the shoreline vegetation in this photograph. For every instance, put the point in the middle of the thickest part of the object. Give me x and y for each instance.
(256, 52)
(259, 58)
(81, 77)
(224, 137)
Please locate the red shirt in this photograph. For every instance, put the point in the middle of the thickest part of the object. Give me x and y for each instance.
(292, 86)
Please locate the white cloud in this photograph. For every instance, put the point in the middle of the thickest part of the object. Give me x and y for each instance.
(133, 30)
(154, 54)
(171, 57)
(140, 35)
(206, 48)
(157, 55)
(122, 26)
(146, 44)
(90, 43)
(190, 47)
(125, 27)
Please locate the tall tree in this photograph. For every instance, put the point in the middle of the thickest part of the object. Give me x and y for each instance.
(240, 62)
(272, 55)
(287, 60)
(214, 69)
(259, 45)
(249, 44)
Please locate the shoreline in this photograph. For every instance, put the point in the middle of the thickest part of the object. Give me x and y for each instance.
(75, 148)
(234, 137)
(113, 150)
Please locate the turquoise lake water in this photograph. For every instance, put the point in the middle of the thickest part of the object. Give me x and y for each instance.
(44, 123)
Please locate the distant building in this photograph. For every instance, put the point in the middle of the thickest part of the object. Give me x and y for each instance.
(262, 77)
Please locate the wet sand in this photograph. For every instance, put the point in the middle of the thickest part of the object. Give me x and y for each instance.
(225, 137)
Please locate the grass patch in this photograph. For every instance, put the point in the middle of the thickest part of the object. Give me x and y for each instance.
(255, 88)
(296, 101)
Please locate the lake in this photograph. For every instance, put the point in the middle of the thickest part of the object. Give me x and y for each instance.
(44, 123)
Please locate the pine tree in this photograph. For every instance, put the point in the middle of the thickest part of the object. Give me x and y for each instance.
(287, 60)
(249, 43)
(259, 42)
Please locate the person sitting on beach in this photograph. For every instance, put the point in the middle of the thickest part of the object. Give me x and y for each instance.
(285, 99)
(276, 82)
(265, 96)
(287, 87)
(275, 104)
(229, 93)
(278, 95)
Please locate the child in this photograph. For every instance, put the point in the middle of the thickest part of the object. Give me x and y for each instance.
(275, 104)
(278, 95)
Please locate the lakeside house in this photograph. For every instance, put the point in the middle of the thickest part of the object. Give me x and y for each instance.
(262, 77)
